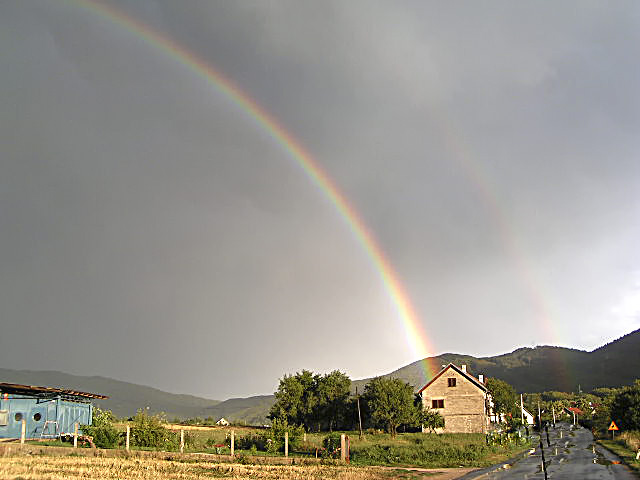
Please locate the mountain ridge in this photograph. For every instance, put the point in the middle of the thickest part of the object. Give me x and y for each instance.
(613, 364)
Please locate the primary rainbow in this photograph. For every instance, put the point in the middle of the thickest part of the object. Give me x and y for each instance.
(415, 334)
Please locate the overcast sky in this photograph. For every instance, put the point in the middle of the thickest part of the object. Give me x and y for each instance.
(150, 231)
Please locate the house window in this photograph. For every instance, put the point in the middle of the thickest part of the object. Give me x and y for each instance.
(451, 382)
(437, 403)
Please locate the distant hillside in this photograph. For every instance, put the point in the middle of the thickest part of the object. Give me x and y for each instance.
(251, 410)
(527, 369)
(124, 398)
(544, 368)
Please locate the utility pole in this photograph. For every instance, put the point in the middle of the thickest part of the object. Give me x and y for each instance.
(359, 416)
(539, 416)
(521, 410)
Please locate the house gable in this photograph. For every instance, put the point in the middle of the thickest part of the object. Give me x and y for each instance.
(459, 371)
(459, 397)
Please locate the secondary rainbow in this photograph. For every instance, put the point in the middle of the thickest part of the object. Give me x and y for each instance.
(416, 336)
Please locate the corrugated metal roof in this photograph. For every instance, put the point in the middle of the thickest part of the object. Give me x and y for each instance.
(17, 388)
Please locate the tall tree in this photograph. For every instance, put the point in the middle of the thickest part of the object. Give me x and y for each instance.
(503, 395)
(625, 408)
(390, 403)
(312, 400)
(333, 398)
(288, 403)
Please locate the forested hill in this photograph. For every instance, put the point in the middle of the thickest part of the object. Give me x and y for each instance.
(527, 369)
(124, 398)
(546, 368)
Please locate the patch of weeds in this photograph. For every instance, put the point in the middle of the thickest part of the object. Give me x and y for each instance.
(404, 474)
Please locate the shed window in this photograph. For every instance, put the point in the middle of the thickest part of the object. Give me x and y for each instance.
(18, 416)
(437, 403)
(4, 418)
(451, 382)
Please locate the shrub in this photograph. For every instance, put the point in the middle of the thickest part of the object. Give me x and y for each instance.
(331, 443)
(148, 431)
(252, 441)
(275, 435)
(102, 430)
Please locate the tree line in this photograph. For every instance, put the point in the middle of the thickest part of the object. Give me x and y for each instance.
(325, 403)
(598, 408)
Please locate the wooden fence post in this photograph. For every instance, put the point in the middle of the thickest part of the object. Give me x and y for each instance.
(128, 435)
(23, 431)
(343, 448)
(286, 444)
(233, 438)
(75, 435)
(181, 440)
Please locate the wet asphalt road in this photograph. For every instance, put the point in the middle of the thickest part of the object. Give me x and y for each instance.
(573, 455)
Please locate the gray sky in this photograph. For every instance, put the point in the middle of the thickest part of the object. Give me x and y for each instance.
(150, 231)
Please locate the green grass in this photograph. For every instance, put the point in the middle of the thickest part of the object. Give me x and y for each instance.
(424, 449)
(49, 443)
(620, 448)
(375, 448)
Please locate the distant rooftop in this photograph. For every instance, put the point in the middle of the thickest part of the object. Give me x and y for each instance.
(31, 389)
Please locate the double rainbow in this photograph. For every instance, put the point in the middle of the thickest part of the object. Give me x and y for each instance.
(416, 336)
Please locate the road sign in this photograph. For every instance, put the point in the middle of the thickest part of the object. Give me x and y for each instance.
(613, 426)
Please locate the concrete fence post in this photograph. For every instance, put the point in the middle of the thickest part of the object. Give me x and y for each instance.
(233, 439)
(343, 448)
(286, 444)
(181, 440)
(23, 431)
(75, 435)
(128, 435)
(348, 449)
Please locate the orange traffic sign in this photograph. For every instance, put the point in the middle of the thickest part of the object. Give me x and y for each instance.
(613, 426)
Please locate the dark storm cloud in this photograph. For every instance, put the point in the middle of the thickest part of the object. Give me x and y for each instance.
(151, 228)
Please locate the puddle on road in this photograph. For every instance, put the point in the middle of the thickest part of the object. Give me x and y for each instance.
(600, 460)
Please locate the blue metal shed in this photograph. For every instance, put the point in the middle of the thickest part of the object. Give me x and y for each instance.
(49, 412)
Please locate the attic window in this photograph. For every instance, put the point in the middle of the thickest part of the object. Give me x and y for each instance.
(437, 403)
(451, 382)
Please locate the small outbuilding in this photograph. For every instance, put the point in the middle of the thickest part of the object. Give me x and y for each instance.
(47, 412)
(223, 422)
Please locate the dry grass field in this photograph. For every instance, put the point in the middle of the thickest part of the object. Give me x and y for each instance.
(42, 467)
